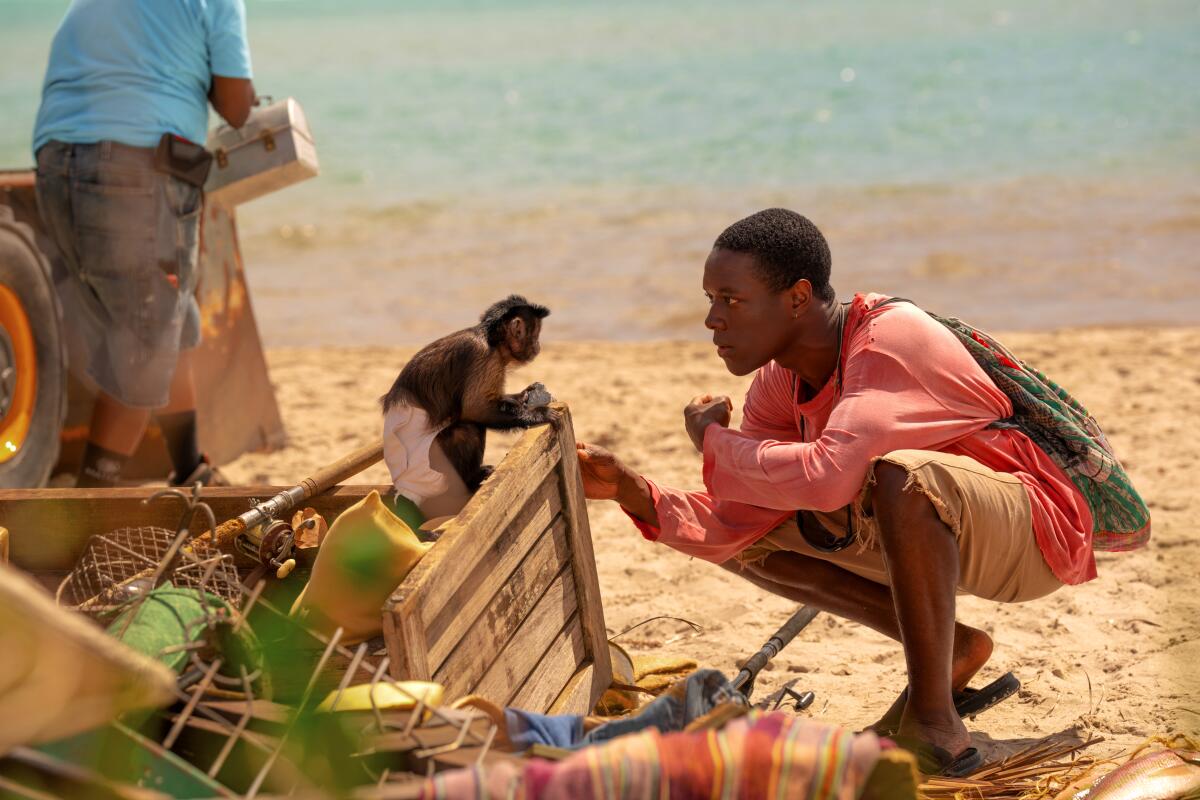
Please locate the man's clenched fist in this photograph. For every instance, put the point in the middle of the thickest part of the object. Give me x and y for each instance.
(705, 410)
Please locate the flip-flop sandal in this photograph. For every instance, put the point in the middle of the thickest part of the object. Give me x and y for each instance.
(971, 702)
(938, 762)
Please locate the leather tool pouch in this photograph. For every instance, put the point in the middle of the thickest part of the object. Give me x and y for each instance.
(179, 158)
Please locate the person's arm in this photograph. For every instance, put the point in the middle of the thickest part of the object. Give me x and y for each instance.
(694, 523)
(232, 90)
(606, 477)
(232, 98)
(908, 385)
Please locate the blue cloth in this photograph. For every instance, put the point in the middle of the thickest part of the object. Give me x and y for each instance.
(525, 729)
(129, 71)
(669, 712)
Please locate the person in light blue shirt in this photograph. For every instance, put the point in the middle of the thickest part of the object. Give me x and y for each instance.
(127, 79)
(131, 70)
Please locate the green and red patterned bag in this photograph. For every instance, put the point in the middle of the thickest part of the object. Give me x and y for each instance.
(1065, 431)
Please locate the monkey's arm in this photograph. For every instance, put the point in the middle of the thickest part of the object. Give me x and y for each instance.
(509, 411)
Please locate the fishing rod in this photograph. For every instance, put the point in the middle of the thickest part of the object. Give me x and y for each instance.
(263, 537)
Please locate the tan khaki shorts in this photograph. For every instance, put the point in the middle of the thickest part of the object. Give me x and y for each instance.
(988, 512)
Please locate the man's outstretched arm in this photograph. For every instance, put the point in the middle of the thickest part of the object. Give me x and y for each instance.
(606, 477)
(694, 523)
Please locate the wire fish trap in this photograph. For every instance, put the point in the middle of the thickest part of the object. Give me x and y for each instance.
(127, 563)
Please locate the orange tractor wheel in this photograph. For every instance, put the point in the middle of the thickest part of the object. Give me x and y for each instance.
(32, 360)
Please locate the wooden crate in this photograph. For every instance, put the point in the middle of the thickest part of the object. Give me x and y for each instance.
(506, 604)
(49, 528)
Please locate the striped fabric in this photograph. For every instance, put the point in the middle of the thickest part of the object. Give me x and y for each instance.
(773, 755)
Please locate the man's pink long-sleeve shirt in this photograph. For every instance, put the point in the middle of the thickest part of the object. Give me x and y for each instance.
(909, 384)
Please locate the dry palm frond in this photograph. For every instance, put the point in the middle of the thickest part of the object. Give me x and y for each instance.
(1035, 773)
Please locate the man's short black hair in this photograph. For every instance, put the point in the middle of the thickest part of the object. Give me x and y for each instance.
(786, 247)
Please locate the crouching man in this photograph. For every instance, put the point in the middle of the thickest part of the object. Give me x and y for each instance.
(886, 460)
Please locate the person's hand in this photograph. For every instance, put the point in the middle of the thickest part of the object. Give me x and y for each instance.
(602, 471)
(605, 477)
(705, 410)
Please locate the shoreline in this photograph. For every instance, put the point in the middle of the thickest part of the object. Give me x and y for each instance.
(625, 263)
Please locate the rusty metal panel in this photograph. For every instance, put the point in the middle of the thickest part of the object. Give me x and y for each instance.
(237, 411)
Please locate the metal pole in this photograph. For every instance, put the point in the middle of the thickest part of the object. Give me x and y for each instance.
(756, 662)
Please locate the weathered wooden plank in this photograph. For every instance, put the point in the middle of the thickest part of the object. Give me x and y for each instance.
(465, 538)
(49, 527)
(576, 696)
(395, 749)
(408, 650)
(479, 581)
(485, 637)
(525, 650)
(583, 561)
(560, 662)
(468, 591)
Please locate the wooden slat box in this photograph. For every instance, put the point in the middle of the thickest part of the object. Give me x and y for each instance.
(506, 604)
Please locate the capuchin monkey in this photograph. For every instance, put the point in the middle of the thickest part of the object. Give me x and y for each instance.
(458, 381)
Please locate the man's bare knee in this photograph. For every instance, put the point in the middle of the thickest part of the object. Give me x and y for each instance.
(890, 482)
(894, 493)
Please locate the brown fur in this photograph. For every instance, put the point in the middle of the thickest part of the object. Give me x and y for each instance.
(459, 381)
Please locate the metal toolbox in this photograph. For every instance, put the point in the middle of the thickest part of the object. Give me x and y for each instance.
(274, 149)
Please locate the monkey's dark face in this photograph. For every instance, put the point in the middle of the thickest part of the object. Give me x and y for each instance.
(521, 334)
(751, 325)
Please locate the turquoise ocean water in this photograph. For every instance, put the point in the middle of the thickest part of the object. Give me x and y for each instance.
(424, 105)
(412, 98)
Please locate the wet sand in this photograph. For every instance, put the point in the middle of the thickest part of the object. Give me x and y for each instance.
(621, 263)
(1115, 657)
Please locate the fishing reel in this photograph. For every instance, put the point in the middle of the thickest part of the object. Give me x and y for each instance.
(270, 544)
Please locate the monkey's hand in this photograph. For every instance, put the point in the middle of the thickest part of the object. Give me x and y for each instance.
(536, 396)
(552, 415)
(539, 415)
(509, 412)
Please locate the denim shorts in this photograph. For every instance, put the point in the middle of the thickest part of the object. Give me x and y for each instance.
(128, 238)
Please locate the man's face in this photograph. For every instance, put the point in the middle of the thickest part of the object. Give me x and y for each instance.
(750, 324)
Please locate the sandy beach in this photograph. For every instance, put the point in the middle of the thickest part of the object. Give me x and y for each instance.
(1032, 168)
(1112, 658)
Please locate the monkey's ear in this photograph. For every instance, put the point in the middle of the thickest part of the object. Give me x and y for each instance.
(517, 329)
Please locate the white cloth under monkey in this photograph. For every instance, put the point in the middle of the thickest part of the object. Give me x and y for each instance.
(407, 437)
